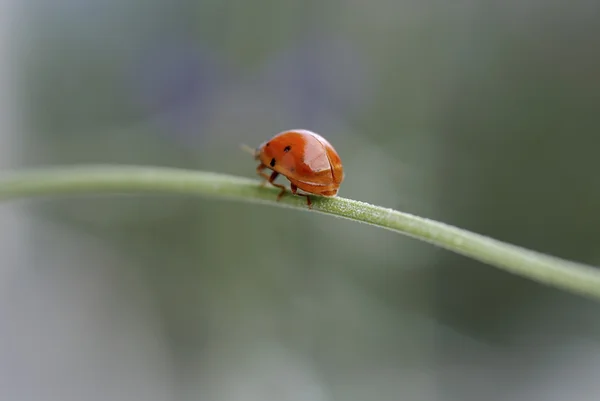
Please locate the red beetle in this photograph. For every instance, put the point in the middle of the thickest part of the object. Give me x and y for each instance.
(306, 159)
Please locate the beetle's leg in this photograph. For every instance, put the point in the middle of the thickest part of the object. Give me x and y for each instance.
(259, 171)
(295, 192)
(271, 181)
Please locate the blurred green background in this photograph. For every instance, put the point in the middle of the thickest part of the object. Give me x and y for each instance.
(483, 114)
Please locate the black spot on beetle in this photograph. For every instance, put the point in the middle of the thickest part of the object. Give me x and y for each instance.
(272, 164)
(268, 143)
(287, 148)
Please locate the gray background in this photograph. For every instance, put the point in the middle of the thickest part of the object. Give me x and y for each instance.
(482, 114)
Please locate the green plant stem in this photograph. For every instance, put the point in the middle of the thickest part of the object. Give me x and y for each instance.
(569, 276)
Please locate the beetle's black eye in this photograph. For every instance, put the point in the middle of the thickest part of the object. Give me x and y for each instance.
(287, 148)
(272, 162)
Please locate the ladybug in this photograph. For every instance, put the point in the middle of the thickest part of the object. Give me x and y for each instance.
(306, 159)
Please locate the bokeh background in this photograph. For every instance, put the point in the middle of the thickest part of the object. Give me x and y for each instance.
(484, 114)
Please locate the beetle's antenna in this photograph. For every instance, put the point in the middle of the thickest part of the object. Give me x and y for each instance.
(247, 149)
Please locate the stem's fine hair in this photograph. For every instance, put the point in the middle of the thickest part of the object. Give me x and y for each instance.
(569, 276)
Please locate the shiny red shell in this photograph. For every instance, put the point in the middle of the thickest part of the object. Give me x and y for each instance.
(306, 159)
